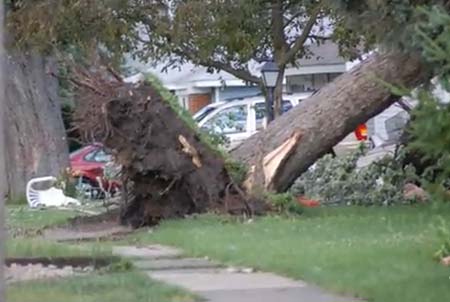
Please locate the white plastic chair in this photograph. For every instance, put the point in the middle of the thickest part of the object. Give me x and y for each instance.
(51, 197)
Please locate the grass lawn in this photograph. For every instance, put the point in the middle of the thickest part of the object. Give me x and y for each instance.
(20, 218)
(29, 247)
(381, 254)
(117, 287)
(111, 287)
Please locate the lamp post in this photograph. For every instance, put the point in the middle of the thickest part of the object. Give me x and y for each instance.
(269, 74)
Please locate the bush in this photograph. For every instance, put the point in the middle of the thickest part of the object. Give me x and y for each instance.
(285, 203)
(67, 183)
(338, 181)
(236, 170)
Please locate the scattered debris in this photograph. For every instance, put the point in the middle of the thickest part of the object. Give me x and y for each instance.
(244, 270)
(50, 197)
(247, 270)
(445, 261)
(20, 273)
(306, 202)
(232, 270)
(414, 192)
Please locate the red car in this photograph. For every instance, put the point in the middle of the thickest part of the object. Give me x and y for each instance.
(88, 164)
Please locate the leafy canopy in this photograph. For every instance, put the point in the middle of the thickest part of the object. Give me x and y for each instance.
(219, 34)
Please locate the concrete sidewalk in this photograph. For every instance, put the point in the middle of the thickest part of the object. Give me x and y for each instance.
(216, 283)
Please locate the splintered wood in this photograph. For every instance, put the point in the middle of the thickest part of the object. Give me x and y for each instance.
(190, 150)
(273, 162)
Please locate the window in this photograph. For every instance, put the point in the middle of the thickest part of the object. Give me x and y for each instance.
(90, 155)
(260, 110)
(309, 82)
(320, 80)
(230, 120)
(301, 83)
(99, 156)
(102, 157)
(200, 115)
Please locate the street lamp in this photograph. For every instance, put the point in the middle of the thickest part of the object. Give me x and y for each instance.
(270, 74)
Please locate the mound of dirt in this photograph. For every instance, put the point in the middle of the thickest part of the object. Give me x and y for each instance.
(167, 171)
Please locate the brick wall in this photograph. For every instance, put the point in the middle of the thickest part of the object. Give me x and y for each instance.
(198, 101)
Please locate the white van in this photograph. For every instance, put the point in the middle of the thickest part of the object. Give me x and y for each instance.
(240, 119)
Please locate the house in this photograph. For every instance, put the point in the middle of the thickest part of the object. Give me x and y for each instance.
(196, 88)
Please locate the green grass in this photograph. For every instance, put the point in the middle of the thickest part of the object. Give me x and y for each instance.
(29, 247)
(381, 254)
(19, 200)
(118, 287)
(23, 218)
(124, 286)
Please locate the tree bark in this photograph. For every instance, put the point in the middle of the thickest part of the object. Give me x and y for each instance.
(294, 141)
(2, 160)
(35, 136)
(278, 93)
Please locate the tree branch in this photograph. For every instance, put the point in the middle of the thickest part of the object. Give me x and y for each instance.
(300, 41)
(318, 37)
(292, 18)
(278, 36)
(241, 73)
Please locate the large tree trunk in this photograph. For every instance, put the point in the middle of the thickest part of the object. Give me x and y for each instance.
(35, 136)
(2, 160)
(297, 139)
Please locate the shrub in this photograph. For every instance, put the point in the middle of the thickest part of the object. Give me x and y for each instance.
(338, 181)
(285, 203)
(237, 170)
(431, 127)
(67, 183)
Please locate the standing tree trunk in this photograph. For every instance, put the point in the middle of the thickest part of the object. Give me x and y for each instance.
(294, 141)
(278, 93)
(35, 136)
(2, 160)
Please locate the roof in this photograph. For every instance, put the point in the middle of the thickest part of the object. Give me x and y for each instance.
(324, 54)
(189, 75)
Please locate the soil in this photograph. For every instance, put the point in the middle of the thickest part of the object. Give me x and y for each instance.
(88, 228)
(61, 262)
(20, 273)
(167, 170)
(26, 269)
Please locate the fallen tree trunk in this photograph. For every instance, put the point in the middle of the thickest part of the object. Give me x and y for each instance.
(297, 139)
(168, 171)
(172, 173)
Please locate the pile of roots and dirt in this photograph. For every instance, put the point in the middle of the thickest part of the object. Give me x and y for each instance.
(167, 171)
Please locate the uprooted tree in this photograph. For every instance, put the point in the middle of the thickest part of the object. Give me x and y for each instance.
(173, 172)
(276, 156)
(167, 169)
